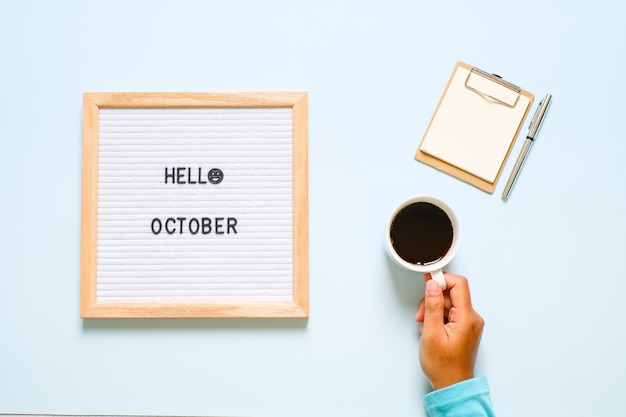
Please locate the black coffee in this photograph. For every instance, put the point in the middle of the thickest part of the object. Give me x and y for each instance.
(421, 233)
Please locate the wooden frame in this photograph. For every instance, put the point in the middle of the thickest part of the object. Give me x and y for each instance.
(91, 307)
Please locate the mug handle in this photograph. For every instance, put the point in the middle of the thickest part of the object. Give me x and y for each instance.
(437, 275)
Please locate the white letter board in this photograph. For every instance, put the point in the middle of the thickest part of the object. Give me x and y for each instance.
(194, 205)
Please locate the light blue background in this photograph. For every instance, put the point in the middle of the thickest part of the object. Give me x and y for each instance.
(546, 268)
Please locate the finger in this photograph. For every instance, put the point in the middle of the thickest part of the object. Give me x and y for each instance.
(447, 303)
(459, 292)
(433, 307)
(419, 316)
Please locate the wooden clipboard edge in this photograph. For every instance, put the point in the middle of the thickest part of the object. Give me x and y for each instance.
(459, 173)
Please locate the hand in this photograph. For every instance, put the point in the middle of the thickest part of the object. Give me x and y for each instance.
(450, 333)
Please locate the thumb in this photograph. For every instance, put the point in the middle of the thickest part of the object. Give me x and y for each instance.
(433, 306)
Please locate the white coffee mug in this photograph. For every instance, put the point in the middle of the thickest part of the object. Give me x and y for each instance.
(423, 234)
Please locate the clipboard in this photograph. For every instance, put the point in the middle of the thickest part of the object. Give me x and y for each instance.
(474, 126)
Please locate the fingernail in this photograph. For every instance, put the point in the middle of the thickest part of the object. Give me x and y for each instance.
(432, 287)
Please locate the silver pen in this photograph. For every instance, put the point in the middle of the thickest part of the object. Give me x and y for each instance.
(535, 123)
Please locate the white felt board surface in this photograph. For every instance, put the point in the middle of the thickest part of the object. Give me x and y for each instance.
(472, 132)
(166, 233)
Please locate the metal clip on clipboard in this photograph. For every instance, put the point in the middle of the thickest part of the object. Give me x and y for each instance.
(492, 87)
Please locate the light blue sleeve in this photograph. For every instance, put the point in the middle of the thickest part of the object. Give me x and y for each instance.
(469, 398)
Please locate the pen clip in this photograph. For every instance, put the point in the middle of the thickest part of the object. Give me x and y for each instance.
(534, 119)
(538, 117)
